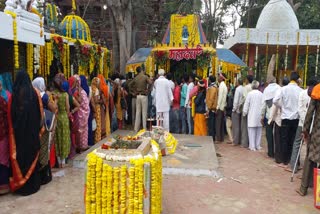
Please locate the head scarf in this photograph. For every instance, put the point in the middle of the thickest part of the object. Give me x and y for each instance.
(25, 117)
(78, 80)
(65, 86)
(222, 76)
(72, 80)
(3, 91)
(95, 85)
(84, 84)
(103, 86)
(39, 84)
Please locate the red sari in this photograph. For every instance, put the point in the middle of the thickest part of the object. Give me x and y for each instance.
(4, 147)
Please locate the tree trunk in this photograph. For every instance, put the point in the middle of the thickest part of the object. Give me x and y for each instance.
(122, 15)
(115, 43)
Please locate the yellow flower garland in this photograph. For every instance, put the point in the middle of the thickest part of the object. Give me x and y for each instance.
(109, 190)
(30, 56)
(15, 38)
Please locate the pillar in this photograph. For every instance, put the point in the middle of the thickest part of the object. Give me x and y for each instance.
(252, 56)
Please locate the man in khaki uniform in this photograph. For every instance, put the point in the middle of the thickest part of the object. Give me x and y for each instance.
(140, 90)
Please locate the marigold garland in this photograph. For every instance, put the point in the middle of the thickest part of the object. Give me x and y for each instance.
(121, 189)
(30, 56)
(15, 38)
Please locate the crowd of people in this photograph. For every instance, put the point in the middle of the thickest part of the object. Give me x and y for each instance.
(43, 127)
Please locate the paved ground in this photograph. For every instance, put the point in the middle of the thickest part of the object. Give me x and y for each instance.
(249, 182)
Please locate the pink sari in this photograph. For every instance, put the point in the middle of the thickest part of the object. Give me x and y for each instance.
(82, 117)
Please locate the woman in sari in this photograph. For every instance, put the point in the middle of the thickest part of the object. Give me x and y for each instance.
(95, 87)
(75, 92)
(83, 114)
(200, 124)
(105, 91)
(25, 119)
(4, 144)
(120, 108)
(50, 107)
(62, 136)
(74, 108)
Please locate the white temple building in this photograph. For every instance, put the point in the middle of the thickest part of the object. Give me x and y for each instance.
(277, 32)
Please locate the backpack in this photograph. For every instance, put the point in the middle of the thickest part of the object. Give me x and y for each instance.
(315, 94)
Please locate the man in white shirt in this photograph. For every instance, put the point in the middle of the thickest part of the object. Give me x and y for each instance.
(268, 95)
(187, 104)
(275, 116)
(244, 119)
(164, 98)
(252, 107)
(303, 105)
(236, 113)
(288, 100)
(222, 102)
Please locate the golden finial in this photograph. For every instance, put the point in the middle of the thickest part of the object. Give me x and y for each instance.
(74, 6)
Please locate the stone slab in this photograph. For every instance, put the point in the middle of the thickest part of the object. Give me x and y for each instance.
(195, 155)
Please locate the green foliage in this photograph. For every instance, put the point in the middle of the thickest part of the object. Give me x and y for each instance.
(308, 14)
(2, 4)
(204, 59)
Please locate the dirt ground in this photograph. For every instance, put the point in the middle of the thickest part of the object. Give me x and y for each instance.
(249, 183)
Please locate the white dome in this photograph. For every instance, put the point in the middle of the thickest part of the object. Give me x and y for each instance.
(278, 15)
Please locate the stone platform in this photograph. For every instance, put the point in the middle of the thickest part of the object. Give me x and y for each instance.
(195, 156)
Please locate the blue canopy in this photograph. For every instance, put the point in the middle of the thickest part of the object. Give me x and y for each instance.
(228, 56)
(139, 56)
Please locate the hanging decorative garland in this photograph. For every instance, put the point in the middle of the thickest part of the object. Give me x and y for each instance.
(306, 63)
(58, 48)
(15, 38)
(30, 56)
(297, 52)
(161, 58)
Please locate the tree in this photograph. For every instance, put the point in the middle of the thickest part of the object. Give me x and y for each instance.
(121, 22)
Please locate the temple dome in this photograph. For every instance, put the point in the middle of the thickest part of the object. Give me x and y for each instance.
(278, 15)
(74, 26)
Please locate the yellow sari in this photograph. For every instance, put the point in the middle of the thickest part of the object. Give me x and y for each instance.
(95, 90)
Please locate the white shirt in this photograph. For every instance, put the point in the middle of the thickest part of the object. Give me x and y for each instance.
(268, 95)
(237, 99)
(246, 90)
(190, 87)
(222, 96)
(303, 105)
(288, 100)
(252, 107)
(163, 94)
